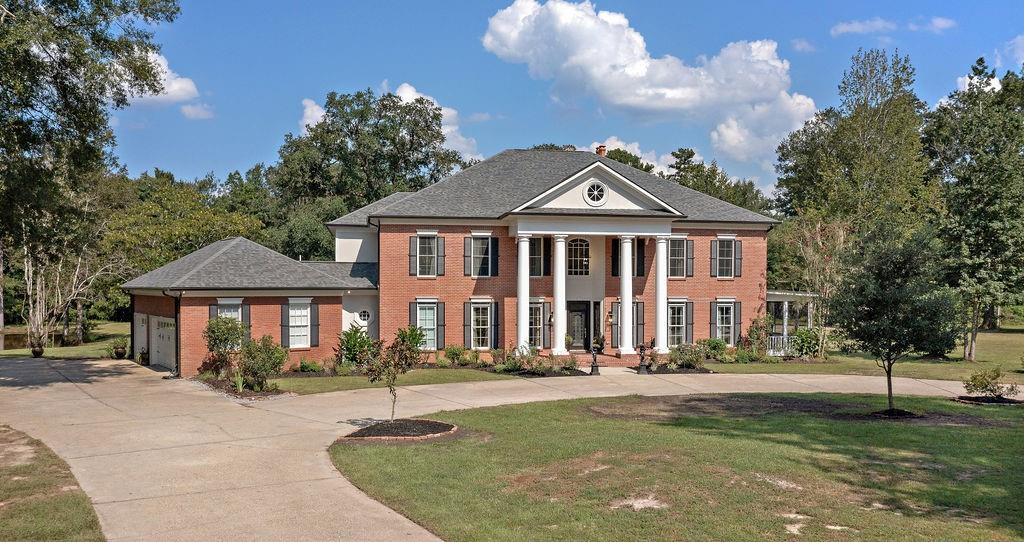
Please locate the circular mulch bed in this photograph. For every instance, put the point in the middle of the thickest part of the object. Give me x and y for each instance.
(404, 429)
(972, 400)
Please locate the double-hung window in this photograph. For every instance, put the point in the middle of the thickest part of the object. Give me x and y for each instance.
(677, 257)
(676, 324)
(725, 258)
(536, 324)
(536, 256)
(579, 257)
(426, 319)
(480, 325)
(298, 325)
(480, 256)
(724, 320)
(230, 310)
(426, 256)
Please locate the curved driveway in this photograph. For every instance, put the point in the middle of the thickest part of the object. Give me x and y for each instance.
(171, 460)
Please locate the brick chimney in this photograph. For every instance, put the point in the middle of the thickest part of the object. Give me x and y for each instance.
(601, 150)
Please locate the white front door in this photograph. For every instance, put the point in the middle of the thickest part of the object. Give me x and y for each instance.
(162, 337)
(140, 335)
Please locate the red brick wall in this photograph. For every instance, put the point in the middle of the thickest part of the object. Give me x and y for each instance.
(265, 319)
(157, 305)
(397, 288)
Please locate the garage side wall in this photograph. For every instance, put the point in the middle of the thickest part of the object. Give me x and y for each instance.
(265, 319)
(155, 305)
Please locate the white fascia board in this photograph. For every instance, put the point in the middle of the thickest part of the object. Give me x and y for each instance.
(586, 171)
(270, 293)
(229, 300)
(608, 226)
(730, 226)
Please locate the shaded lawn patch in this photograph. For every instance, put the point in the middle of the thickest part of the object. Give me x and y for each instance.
(103, 335)
(562, 471)
(39, 497)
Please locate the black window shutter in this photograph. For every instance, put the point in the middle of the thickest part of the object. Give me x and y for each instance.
(439, 321)
(640, 255)
(547, 256)
(546, 326)
(689, 257)
(638, 322)
(246, 319)
(284, 325)
(494, 257)
(213, 311)
(714, 258)
(439, 259)
(496, 323)
(413, 316)
(615, 257)
(737, 255)
(689, 322)
(467, 319)
(737, 323)
(615, 324)
(413, 268)
(467, 256)
(714, 320)
(314, 324)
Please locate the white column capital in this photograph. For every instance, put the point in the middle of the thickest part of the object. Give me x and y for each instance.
(662, 238)
(560, 236)
(521, 236)
(627, 237)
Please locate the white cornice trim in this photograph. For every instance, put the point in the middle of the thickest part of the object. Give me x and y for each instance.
(586, 171)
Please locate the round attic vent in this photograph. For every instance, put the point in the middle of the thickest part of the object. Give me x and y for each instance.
(595, 193)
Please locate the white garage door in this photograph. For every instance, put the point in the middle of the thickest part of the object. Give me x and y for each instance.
(140, 334)
(162, 336)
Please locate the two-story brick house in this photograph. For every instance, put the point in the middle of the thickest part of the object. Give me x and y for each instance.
(529, 247)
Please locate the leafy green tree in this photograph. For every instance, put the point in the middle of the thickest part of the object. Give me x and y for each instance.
(553, 147)
(630, 159)
(892, 302)
(365, 148)
(303, 235)
(975, 140)
(714, 181)
(224, 336)
(249, 195)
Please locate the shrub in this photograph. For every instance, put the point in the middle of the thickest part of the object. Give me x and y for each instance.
(355, 348)
(727, 358)
(513, 363)
(989, 383)
(309, 366)
(712, 348)
(746, 356)
(498, 356)
(686, 356)
(224, 336)
(570, 364)
(442, 363)
(757, 335)
(804, 342)
(455, 353)
(258, 361)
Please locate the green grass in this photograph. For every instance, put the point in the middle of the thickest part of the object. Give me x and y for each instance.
(104, 333)
(304, 386)
(551, 471)
(995, 349)
(41, 498)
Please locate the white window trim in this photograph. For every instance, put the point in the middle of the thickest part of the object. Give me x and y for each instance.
(586, 192)
(540, 329)
(297, 302)
(568, 257)
(540, 247)
(229, 300)
(427, 303)
(726, 236)
(732, 259)
(472, 255)
(421, 236)
(676, 303)
(481, 233)
(426, 233)
(718, 320)
(472, 325)
(669, 257)
(368, 319)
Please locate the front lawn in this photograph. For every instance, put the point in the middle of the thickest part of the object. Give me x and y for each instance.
(321, 384)
(708, 468)
(995, 349)
(39, 497)
(103, 334)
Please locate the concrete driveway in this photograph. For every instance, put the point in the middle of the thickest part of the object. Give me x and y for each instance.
(171, 460)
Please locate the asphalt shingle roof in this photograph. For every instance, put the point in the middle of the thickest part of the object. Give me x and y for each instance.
(360, 215)
(494, 187)
(238, 263)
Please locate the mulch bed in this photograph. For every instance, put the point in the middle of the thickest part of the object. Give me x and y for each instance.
(405, 429)
(671, 408)
(228, 387)
(664, 370)
(986, 400)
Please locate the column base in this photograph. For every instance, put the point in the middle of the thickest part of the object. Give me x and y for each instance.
(559, 352)
(662, 350)
(627, 351)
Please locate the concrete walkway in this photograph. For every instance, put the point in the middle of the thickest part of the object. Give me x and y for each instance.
(171, 460)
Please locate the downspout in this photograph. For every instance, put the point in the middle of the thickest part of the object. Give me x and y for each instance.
(131, 326)
(177, 332)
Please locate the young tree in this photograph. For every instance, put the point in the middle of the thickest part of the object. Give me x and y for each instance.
(714, 181)
(396, 359)
(630, 159)
(975, 139)
(891, 302)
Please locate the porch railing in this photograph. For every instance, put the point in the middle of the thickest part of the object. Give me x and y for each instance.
(779, 345)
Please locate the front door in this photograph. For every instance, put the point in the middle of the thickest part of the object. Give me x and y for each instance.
(579, 324)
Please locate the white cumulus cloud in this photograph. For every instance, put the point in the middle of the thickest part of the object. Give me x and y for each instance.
(876, 25)
(660, 161)
(312, 114)
(598, 53)
(197, 111)
(801, 45)
(454, 139)
(176, 88)
(935, 25)
(964, 81)
(1015, 48)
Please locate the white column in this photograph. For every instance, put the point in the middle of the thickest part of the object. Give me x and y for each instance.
(626, 295)
(785, 319)
(558, 274)
(523, 294)
(661, 295)
(810, 314)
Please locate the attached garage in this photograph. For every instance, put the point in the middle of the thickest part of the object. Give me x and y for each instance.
(163, 336)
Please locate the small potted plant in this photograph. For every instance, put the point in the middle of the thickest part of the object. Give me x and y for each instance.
(37, 346)
(599, 343)
(568, 341)
(119, 347)
(144, 358)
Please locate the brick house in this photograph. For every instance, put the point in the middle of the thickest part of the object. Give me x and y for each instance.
(529, 247)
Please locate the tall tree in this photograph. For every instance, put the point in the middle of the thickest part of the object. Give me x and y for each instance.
(366, 147)
(553, 147)
(975, 140)
(714, 181)
(630, 159)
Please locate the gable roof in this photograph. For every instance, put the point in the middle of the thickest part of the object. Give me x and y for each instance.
(495, 187)
(237, 263)
(359, 216)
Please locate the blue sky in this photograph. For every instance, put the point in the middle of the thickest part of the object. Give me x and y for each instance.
(726, 78)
